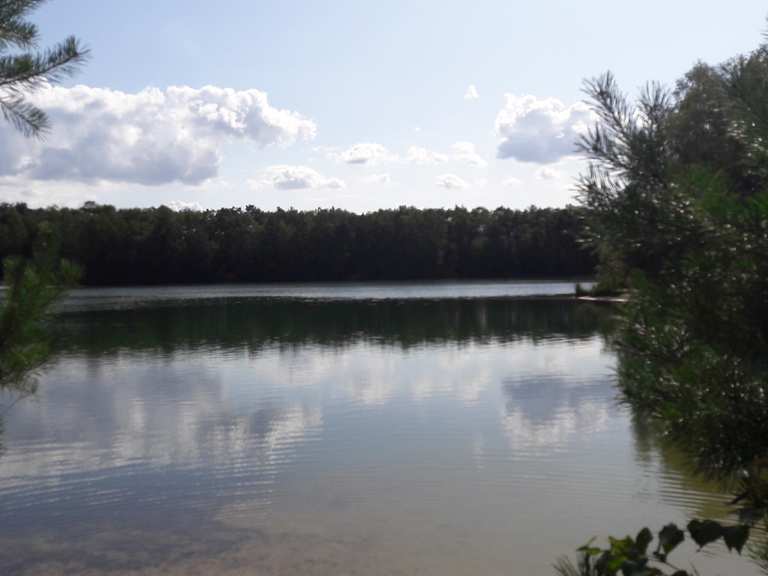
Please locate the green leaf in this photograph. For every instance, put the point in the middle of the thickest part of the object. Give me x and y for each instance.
(615, 563)
(602, 564)
(704, 532)
(621, 547)
(588, 549)
(736, 537)
(670, 538)
(643, 539)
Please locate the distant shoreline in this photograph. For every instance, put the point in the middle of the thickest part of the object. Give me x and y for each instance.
(360, 292)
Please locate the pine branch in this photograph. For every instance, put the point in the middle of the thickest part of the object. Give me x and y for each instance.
(20, 72)
(17, 33)
(25, 117)
(14, 30)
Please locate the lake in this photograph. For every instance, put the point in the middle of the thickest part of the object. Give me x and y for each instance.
(399, 429)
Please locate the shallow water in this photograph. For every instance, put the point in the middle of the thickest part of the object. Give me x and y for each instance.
(396, 429)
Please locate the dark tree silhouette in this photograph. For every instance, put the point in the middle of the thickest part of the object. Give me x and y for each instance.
(160, 246)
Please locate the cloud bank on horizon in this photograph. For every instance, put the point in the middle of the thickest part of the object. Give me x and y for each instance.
(179, 135)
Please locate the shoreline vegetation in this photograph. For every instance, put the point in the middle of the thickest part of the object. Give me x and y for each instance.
(677, 196)
(601, 292)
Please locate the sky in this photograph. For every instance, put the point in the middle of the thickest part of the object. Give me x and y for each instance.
(354, 104)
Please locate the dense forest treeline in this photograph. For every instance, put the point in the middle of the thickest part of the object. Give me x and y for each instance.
(159, 245)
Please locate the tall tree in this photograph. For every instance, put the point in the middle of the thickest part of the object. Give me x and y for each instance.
(677, 198)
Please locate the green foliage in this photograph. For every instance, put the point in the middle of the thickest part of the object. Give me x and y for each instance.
(23, 72)
(670, 537)
(677, 198)
(160, 246)
(32, 286)
(34, 277)
(632, 556)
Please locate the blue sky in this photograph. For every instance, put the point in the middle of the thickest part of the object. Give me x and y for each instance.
(358, 105)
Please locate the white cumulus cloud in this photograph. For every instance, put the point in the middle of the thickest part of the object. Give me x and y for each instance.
(419, 155)
(181, 206)
(292, 177)
(512, 182)
(148, 137)
(465, 152)
(541, 130)
(361, 153)
(547, 174)
(451, 182)
(460, 152)
(471, 93)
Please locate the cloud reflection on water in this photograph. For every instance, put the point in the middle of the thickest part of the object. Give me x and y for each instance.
(265, 435)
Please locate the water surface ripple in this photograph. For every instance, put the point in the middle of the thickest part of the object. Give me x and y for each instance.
(222, 431)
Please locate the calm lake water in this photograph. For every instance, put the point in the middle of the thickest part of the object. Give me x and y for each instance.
(402, 429)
